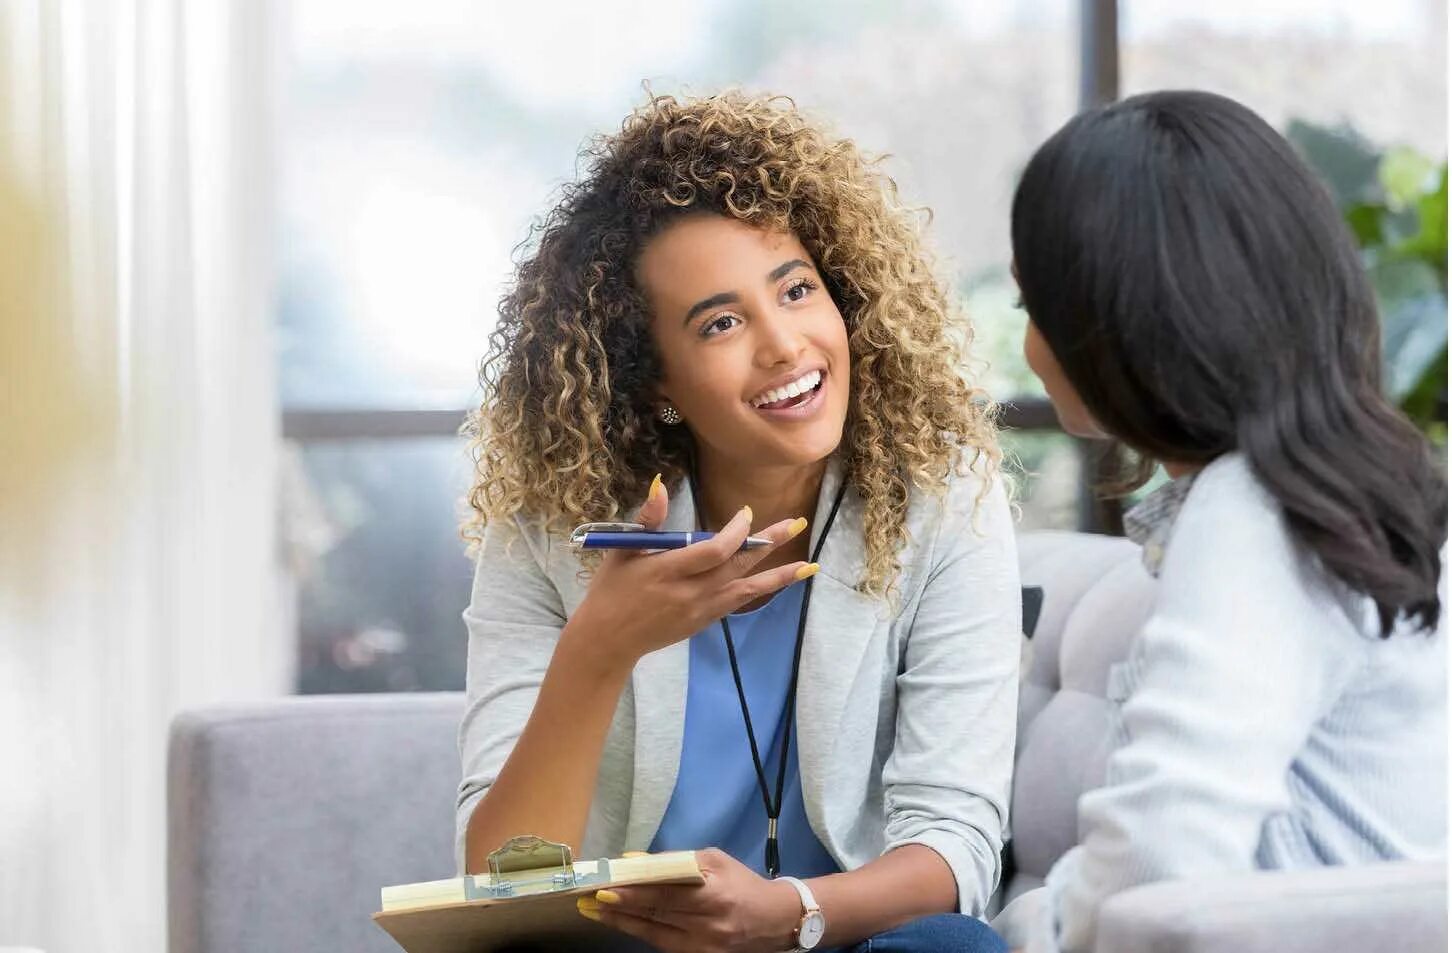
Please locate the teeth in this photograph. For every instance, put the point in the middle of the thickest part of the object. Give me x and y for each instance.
(795, 389)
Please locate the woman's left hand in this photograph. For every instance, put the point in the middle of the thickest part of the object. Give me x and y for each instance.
(735, 911)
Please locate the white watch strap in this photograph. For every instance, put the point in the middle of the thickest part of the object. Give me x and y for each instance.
(809, 902)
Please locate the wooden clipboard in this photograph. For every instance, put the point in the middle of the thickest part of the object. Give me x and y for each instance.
(528, 896)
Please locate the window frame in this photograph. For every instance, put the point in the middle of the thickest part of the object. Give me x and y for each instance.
(1098, 84)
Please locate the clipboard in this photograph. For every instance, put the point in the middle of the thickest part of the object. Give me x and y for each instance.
(528, 895)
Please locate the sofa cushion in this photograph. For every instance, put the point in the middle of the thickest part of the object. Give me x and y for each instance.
(1097, 597)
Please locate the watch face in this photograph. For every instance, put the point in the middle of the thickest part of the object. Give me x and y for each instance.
(812, 928)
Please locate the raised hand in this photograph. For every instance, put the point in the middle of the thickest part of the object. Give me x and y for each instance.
(638, 603)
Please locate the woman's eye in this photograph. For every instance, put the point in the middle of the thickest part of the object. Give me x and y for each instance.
(799, 289)
(718, 325)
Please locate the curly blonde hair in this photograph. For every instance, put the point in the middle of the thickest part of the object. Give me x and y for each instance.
(567, 431)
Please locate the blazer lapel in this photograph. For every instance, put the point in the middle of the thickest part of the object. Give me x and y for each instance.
(840, 623)
(659, 686)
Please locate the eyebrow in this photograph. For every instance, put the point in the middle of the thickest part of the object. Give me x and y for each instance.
(731, 297)
(706, 304)
(785, 268)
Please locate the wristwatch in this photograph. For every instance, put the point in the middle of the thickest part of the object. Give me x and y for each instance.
(813, 925)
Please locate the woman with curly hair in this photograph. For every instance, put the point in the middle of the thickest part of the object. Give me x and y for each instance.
(731, 318)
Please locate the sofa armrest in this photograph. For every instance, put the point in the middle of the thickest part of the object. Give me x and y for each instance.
(285, 817)
(1392, 906)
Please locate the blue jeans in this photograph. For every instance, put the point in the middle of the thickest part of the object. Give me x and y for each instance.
(944, 933)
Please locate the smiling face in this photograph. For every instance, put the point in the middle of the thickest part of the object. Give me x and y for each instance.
(753, 349)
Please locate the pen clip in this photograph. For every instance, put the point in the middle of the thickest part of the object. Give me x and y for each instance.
(577, 538)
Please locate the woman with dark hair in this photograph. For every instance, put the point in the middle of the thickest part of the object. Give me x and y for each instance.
(1193, 293)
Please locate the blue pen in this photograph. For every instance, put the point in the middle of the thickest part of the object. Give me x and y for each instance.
(636, 536)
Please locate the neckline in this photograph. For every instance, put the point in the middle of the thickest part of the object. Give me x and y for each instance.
(775, 597)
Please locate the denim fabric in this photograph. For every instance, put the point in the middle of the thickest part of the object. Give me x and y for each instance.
(944, 933)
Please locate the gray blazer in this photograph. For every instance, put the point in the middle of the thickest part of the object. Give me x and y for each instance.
(905, 711)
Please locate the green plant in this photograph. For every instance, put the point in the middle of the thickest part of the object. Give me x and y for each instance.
(1395, 202)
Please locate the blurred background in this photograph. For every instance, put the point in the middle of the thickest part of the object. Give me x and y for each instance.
(417, 146)
(251, 256)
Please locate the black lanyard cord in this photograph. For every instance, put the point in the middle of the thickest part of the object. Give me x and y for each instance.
(773, 805)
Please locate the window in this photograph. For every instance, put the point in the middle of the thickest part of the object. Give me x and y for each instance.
(421, 140)
(1378, 67)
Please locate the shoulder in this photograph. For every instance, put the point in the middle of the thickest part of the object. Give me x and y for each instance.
(505, 539)
(973, 495)
(959, 579)
(968, 513)
(1230, 550)
(1229, 481)
(1227, 515)
(516, 548)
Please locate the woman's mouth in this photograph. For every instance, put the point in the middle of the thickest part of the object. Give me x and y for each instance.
(796, 398)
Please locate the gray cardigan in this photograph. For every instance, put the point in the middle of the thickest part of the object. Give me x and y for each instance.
(905, 712)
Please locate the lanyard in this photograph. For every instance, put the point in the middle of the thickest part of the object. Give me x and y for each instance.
(773, 805)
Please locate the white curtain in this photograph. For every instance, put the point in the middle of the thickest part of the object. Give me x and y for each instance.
(138, 437)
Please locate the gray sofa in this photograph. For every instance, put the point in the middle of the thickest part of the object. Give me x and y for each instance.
(287, 816)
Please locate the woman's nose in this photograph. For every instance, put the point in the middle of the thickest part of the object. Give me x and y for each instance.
(779, 339)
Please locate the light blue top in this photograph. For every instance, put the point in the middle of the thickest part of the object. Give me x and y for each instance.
(1259, 722)
(717, 800)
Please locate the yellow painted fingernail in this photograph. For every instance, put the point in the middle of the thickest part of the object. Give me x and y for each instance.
(810, 569)
(747, 511)
(586, 903)
(798, 524)
(607, 896)
(655, 488)
(589, 913)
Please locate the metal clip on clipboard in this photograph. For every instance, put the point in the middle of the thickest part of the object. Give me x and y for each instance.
(530, 865)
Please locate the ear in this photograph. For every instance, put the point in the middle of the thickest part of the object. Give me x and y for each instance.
(662, 399)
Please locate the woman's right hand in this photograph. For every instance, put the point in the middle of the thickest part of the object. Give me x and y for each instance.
(638, 603)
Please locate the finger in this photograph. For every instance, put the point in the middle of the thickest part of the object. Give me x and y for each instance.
(662, 936)
(666, 904)
(738, 592)
(779, 533)
(657, 504)
(714, 860)
(651, 515)
(705, 556)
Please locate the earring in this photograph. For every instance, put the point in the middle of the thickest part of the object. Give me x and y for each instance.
(669, 415)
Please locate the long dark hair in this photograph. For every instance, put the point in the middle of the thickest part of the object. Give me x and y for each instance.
(1202, 294)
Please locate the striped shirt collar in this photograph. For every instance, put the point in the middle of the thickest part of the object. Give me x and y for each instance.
(1150, 521)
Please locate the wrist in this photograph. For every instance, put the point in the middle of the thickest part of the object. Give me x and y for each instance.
(811, 926)
(783, 915)
(582, 649)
